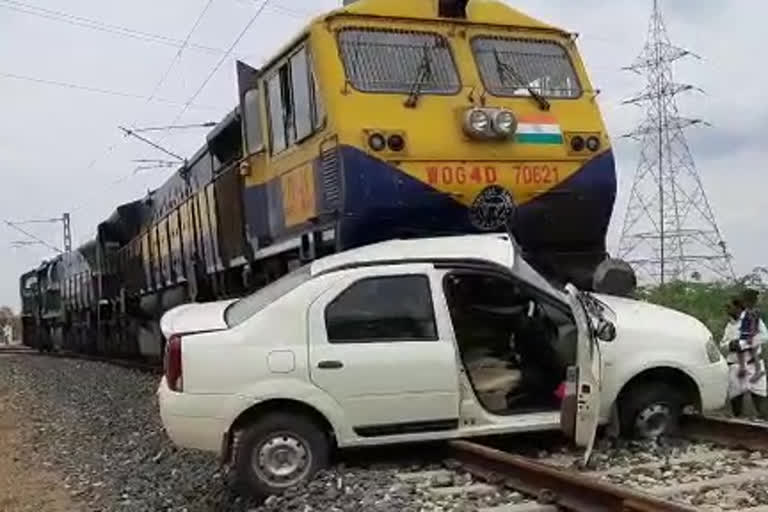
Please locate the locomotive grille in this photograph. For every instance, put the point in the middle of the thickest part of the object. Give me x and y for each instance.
(329, 161)
(396, 61)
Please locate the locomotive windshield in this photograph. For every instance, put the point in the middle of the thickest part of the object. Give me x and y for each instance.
(525, 67)
(398, 61)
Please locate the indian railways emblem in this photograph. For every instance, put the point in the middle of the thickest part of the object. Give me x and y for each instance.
(492, 208)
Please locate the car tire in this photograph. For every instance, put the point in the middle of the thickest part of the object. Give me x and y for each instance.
(277, 452)
(650, 410)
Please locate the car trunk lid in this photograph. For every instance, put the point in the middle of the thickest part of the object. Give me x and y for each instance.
(195, 319)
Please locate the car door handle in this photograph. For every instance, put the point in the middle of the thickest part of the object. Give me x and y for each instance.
(330, 365)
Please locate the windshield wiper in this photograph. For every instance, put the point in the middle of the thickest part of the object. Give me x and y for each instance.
(425, 73)
(502, 68)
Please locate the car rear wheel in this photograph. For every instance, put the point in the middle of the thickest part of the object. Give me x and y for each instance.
(650, 410)
(279, 451)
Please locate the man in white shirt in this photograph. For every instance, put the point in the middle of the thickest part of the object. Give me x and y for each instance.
(744, 361)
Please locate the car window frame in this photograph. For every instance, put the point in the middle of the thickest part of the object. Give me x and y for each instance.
(296, 279)
(435, 317)
(537, 294)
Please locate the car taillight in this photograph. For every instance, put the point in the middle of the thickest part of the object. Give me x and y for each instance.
(173, 372)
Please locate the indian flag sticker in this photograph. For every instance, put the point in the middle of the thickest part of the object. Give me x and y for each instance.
(541, 129)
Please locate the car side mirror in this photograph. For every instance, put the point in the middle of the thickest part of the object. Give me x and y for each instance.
(606, 331)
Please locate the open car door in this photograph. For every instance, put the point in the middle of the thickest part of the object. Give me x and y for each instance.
(580, 412)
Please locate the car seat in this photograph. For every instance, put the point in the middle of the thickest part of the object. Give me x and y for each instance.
(493, 379)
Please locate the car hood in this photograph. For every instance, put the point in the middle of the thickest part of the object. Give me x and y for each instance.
(633, 315)
(195, 318)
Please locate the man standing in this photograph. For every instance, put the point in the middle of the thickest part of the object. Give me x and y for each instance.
(744, 337)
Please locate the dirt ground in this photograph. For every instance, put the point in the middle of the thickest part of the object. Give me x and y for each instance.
(24, 487)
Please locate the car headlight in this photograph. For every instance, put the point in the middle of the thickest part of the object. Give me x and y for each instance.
(505, 123)
(713, 352)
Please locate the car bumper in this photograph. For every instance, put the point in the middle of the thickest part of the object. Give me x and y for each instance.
(186, 423)
(713, 385)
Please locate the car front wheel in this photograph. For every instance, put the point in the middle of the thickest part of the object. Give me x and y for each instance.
(279, 451)
(649, 410)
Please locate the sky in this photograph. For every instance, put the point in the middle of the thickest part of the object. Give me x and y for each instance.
(65, 88)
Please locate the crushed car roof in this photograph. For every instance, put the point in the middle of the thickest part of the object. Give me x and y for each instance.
(494, 248)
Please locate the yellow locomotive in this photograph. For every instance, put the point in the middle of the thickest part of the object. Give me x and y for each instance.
(398, 118)
(382, 119)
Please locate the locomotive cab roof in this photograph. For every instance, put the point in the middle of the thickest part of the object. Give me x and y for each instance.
(491, 12)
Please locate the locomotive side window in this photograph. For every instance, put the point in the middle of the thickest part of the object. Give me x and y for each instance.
(255, 137)
(398, 61)
(292, 100)
(301, 94)
(277, 119)
(317, 101)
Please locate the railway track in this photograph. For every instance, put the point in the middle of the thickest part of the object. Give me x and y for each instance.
(555, 487)
(726, 432)
(12, 350)
(551, 485)
(564, 488)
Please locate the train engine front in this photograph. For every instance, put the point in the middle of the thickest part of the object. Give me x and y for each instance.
(460, 117)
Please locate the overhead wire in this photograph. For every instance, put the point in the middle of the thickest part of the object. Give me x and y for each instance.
(293, 13)
(221, 61)
(111, 148)
(181, 49)
(98, 90)
(205, 82)
(31, 236)
(87, 23)
(101, 26)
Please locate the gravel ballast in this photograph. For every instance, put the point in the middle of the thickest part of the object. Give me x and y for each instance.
(98, 426)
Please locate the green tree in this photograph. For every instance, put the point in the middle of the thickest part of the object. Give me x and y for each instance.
(706, 301)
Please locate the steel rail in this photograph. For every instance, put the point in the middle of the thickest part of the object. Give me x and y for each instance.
(124, 363)
(554, 486)
(726, 432)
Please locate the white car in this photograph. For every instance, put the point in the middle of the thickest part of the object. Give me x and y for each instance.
(421, 340)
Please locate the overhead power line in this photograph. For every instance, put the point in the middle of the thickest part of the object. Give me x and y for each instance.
(101, 26)
(36, 221)
(99, 90)
(221, 61)
(31, 236)
(291, 13)
(181, 49)
(208, 124)
(159, 84)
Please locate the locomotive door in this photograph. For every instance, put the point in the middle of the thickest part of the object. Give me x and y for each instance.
(228, 191)
(253, 185)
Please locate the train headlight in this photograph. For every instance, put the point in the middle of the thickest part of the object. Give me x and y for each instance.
(377, 142)
(505, 123)
(478, 122)
(593, 144)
